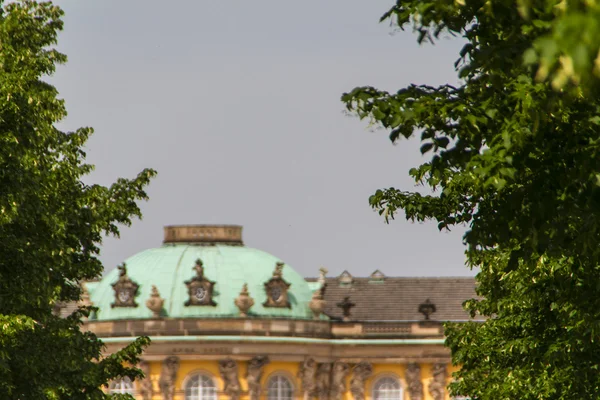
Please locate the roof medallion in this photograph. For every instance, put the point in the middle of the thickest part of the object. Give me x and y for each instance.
(125, 289)
(200, 289)
(277, 289)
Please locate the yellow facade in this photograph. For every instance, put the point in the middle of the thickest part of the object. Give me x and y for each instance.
(288, 369)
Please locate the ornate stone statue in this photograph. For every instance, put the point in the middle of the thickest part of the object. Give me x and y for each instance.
(413, 381)
(338, 380)
(437, 387)
(200, 289)
(244, 302)
(145, 384)
(307, 374)
(155, 303)
(323, 381)
(168, 375)
(360, 373)
(254, 374)
(229, 373)
(277, 289)
(125, 289)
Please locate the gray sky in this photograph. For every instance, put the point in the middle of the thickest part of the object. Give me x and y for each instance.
(236, 104)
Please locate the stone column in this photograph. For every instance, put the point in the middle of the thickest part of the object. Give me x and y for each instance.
(360, 373)
(254, 375)
(413, 381)
(307, 374)
(437, 387)
(168, 375)
(338, 380)
(229, 372)
(323, 381)
(145, 384)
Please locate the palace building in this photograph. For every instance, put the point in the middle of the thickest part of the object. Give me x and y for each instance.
(228, 322)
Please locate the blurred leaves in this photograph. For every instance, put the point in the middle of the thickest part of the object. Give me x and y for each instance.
(513, 154)
(51, 223)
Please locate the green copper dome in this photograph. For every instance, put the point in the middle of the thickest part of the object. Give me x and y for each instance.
(226, 262)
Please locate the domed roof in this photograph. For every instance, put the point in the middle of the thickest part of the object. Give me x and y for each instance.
(226, 262)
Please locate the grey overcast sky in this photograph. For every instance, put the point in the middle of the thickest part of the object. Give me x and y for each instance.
(237, 105)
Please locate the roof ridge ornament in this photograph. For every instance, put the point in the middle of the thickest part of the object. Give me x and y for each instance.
(346, 305)
(200, 289)
(322, 276)
(427, 308)
(125, 289)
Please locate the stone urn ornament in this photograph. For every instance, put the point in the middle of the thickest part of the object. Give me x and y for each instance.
(244, 302)
(155, 302)
(317, 303)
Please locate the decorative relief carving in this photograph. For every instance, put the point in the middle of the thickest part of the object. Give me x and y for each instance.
(125, 289)
(307, 374)
(168, 375)
(277, 289)
(360, 373)
(338, 380)
(229, 373)
(254, 375)
(437, 387)
(200, 289)
(244, 302)
(323, 381)
(155, 303)
(413, 381)
(145, 384)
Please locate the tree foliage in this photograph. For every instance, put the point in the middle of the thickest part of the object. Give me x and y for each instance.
(514, 154)
(51, 223)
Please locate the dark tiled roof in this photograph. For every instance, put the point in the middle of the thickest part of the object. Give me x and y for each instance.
(398, 299)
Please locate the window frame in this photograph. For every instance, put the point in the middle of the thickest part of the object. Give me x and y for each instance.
(201, 374)
(280, 375)
(379, 379)
(112, 389)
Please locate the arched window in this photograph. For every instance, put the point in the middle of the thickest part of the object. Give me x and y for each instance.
(121, 386)
(200, 387)
(387, 388)
(279, 388)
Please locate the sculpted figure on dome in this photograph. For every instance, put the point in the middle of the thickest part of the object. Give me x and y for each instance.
(146, 389)
(277, 289)
(437, 387)
(168, 375)
(229, 372)
(338, 380)
(125, 289)
(254, 375)
(200, 289)
(307, 374)
(360, 373)
(413, 381)
(323, 381)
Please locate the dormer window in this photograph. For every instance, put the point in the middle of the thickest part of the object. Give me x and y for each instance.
(200, 289)
(277, 289)
(125, 289)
